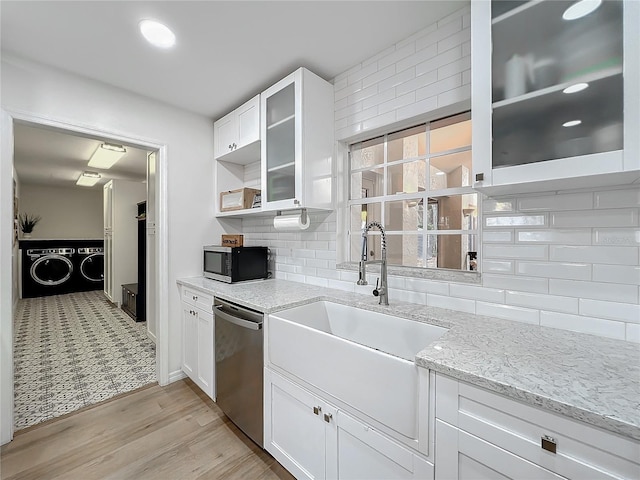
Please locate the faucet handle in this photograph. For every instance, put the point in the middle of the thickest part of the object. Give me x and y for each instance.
(376, 292)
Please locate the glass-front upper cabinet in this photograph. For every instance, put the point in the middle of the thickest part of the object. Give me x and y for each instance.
(555, 91)
(297, 146)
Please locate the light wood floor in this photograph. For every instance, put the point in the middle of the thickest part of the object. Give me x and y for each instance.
(164, 433)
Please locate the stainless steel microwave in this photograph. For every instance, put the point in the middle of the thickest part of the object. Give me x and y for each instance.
(235, 264)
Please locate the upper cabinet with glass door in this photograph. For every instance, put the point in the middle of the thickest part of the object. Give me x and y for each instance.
(297, 143)
(555, 93)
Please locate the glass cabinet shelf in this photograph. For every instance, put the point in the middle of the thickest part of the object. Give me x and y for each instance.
(290, 118)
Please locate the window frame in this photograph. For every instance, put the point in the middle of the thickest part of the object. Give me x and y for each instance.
(420, 196)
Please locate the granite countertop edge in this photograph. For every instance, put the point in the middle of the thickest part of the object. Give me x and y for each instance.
(463, 328)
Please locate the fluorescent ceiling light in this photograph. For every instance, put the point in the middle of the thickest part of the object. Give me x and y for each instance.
(88, 179)
(106, 155)
(578, 87)
(572, 123)
(580, 9)
(439, 173)
(157, 34)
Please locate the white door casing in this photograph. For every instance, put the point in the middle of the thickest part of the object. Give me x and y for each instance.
(161, 288)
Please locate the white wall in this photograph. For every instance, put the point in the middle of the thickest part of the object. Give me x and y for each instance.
(67, 213)
(578, 270)
(15, 252)
(48, 93)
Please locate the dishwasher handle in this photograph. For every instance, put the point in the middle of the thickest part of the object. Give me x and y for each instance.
(241, 322)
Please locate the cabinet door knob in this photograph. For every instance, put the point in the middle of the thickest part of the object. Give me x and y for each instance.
(548, 443)
(230, 147)
(317, 410)
(327, 417)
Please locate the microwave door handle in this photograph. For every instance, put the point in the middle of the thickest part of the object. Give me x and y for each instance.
(236, 320)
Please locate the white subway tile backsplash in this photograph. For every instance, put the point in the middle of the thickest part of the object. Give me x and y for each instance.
(420, 56)
(477, 293)
(594, 290)
(396, 103)
(570, 271)
(572, 201)
(429, 286)
(618, 198)
(451, 303)
(379, 76)
(454, 67)
(560, 236)
(498, 266)
(498, 205)
(294, 277)
(328, 273)
(627, 274)
(379, 120)
(320, 282)
(456, 95)
(542, 302)
(397, 55)
(340, 285)
(363, 93)
(439, 60)
(497, 236)
(396, 282)
(606, 254)
(508, 312)
(378, 99)
(417, 108)
(440, 86)
(419, 34)
(466, 77)
(454, 40)
(596, 218)
(444, 30)
(397, 79)
(415, 297)
(576, 323)
(532, 252)
(514, 282)
(625, 312)
(616, 236)
(362, 73)
(347, 91)
(412, 85)
(633, 333)
(515, 221)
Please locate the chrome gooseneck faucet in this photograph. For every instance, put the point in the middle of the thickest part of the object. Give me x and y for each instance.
(382, 291)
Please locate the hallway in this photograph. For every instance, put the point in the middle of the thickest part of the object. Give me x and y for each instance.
(75, 350)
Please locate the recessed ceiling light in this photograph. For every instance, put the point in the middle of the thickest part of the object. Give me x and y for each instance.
(106, 155)
(157, 34)
(580, 9)
(439, 173)
(572, 123)
(578, 87)
(88, 179)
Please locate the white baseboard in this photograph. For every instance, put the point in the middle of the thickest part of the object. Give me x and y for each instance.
(177, 375)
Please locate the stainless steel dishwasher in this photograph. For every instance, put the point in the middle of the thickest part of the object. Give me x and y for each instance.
(239, 364)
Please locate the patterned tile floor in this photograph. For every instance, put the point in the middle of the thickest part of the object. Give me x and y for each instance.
(74, 350)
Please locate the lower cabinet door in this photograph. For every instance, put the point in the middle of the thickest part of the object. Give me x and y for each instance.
(364, 453)
(205, 341)
(295, 427)
(460, 455)
(189, 342)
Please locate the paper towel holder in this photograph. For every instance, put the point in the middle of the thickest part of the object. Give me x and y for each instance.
(303, 214)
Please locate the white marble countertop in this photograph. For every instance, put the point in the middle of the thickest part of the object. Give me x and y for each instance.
(589, 378)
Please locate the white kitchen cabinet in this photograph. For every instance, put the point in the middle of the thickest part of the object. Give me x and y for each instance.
(481, 434)
(198, 339)
(533, 127)
(314, 439)
(121, 235)
(236, 135)
(297, 148)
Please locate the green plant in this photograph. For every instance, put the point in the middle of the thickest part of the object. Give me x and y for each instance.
(27, 222)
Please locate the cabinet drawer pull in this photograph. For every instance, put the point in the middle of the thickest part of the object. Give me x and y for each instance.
(327, 417)
(548, 443)
(317, 410)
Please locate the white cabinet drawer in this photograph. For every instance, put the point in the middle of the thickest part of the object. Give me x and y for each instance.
(582, 451)
(198, 299)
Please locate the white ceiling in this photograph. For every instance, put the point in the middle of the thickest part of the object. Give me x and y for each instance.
(55, 158)
(226, 52)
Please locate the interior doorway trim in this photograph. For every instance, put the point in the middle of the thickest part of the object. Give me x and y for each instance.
(9, 117)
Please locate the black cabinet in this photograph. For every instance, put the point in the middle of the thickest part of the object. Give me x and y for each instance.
(133, 294)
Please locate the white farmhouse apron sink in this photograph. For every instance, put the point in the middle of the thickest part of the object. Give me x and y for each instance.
(362, 358)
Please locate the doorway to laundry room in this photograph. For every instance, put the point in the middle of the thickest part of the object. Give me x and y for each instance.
(84, 226)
